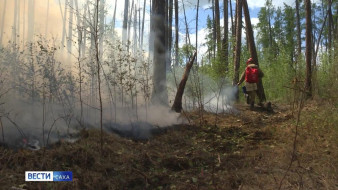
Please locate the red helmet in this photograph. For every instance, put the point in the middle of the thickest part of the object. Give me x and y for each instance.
(249, 60)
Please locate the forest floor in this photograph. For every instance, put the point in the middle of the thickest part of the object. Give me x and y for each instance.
(244, 150)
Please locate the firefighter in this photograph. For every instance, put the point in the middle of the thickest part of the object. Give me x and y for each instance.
(251, 76)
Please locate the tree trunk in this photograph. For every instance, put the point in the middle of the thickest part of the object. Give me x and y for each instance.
(335, 35)
(19, 20)
(135, 30)
(177, 106)
(130, 17)
(218, 27)
(238, 43)
(85, 26)
(330, 28)
(166, 33)
(170, 32)
(125, 21)
(299, 40)
(144, 13)
(139, 27)
(101, 26)
(96, 38)
(159, 94)
(308, 50)
(151, 40)
(214, 28)
(78, 27)
(79, 43)
(15, 21)
(31, 20)
(114, 18)
(187, 36)
(23, 23)
(197, 7)
(226, 40)
(252, 48)
(3, 21)
(47, 19)
(233, 28)
(64, 25)
(176, 33)
(70, 27)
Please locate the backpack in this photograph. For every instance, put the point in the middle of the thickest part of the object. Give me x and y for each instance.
(251, 74)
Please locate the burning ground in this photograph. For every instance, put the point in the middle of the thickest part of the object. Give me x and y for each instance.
(245, 150)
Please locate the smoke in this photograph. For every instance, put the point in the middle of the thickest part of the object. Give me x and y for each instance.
(34, 125)
(215, 95)
(28, 123)
(43, 105)
(221, 101)
(53, 24)
(144, 123)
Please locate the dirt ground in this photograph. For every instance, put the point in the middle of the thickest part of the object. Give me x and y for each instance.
(241, 149)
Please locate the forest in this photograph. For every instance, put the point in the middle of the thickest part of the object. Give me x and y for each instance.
(149, 94)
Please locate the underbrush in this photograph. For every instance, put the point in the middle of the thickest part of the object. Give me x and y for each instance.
(246, 150)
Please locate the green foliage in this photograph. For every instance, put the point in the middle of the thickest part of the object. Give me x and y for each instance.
(278, 77)
(34, 71)
(210, 39)
(276, 47)
(327, 78)
(263, 28)
(185, 53)
(289, 22)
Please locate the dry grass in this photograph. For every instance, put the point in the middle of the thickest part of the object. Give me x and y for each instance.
(249, 150)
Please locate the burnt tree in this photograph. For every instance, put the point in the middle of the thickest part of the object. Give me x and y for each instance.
(177, 106)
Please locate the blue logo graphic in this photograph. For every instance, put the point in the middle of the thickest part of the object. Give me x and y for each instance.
(48, 176)
(62, 176)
